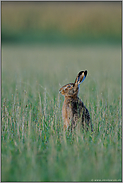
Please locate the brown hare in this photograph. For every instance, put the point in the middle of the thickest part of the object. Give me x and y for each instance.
(73, 110)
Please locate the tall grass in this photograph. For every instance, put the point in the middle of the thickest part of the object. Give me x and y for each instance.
(34, 145)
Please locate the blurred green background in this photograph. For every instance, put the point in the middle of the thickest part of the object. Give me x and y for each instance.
(61, 22)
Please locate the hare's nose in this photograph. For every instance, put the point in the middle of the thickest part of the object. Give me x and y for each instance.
(60, 90)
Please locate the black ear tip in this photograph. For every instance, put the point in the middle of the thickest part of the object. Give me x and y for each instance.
(85, 73)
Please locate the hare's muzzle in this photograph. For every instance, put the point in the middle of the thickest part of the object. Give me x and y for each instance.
(60, 90)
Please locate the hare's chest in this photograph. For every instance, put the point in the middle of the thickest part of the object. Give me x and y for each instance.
(66, 115)
(71, 113)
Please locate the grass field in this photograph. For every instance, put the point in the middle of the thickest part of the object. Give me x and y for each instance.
(34, 146)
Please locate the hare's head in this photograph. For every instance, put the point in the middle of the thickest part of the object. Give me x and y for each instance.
(72, 89)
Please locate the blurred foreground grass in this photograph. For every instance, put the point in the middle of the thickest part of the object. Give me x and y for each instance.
(34, 146)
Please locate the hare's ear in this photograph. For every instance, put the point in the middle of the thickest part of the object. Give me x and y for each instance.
(80, 77)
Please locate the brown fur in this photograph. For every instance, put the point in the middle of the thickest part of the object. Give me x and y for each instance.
(73, 109)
